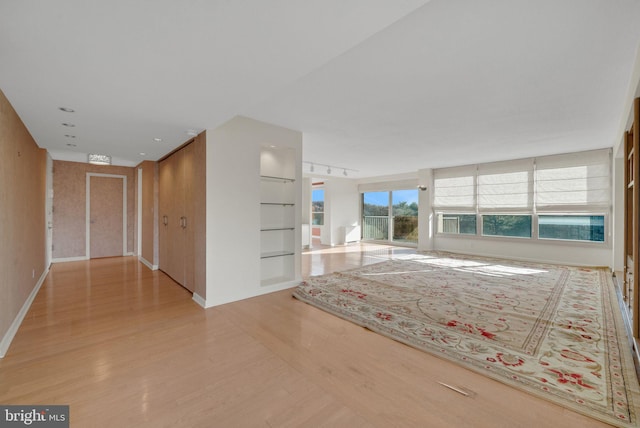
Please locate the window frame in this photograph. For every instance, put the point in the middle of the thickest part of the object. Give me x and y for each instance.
(571, 160)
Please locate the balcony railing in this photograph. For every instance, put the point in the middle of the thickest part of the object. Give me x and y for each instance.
(375, 227)
(405, 228)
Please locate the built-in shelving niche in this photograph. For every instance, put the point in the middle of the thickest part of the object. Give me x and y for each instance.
(278, 222)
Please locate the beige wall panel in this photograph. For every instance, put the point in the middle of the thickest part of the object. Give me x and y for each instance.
(69, 206)
(22, 214)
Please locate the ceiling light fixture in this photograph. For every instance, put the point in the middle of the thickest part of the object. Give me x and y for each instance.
(143, 154)
(157, 140)
(345, 171)
(99, 159)
(66, 109)
(70, 125)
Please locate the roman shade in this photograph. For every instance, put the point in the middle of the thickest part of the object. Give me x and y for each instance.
(574, 182)
(455, 188)
(505, 186)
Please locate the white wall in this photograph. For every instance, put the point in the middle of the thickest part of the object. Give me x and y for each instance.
(570, 253)
(233, 206)
(341, 208)
(426, 225)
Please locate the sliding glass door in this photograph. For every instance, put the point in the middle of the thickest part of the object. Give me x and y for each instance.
(390, 216)
(375, 215)
(405, 215)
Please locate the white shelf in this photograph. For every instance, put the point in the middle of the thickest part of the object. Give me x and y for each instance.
(278, 179)
(278, 191)
(272, 254)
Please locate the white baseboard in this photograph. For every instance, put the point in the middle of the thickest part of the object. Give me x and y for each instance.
(199, 300)
(147, 264)
(13, 328)
(69, 259)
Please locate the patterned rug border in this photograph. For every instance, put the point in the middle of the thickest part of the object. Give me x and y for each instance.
(610, 298)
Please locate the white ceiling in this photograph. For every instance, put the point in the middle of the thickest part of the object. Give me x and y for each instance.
(379, 86)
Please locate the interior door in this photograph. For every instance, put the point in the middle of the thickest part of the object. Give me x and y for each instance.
(106, 216)
(187, 228)
(165, 179)
(171, 217)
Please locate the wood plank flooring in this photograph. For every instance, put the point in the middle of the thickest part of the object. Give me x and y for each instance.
(127, 347)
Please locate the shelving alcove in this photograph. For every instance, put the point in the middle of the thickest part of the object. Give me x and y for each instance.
(278, 220)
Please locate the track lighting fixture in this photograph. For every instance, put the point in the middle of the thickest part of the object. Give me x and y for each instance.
(330, 168)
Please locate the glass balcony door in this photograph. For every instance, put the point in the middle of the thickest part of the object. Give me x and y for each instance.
(390, 216)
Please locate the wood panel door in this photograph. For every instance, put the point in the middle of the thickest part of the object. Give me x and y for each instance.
(187, 166)
(171, 202)
(165, 179)
(106, 216)
(176, 216)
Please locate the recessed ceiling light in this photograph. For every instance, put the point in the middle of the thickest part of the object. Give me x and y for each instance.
(69, 136)
(142, 154)
(71, 145)
(157, 140)
(70, 125)
(67, 110)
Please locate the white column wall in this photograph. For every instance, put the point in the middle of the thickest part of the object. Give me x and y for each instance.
(342, 208)
(426, 225)
(233, 210)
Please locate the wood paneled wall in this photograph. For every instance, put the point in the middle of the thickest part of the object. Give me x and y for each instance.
(69, 206)
(22, 214)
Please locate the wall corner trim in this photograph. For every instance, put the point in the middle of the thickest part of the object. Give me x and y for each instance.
(199, 300)
(15, 325)
(147, 263)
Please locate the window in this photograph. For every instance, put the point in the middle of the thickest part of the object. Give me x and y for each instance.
(390, 215)
(507, 225)
(317, 207)
(404, 209)
(523, 198)
(375, 215)
(464, 224)
(572, 227)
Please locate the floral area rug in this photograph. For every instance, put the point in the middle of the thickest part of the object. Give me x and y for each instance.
(553, 331)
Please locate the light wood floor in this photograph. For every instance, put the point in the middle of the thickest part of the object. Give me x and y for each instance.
(127, 347)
